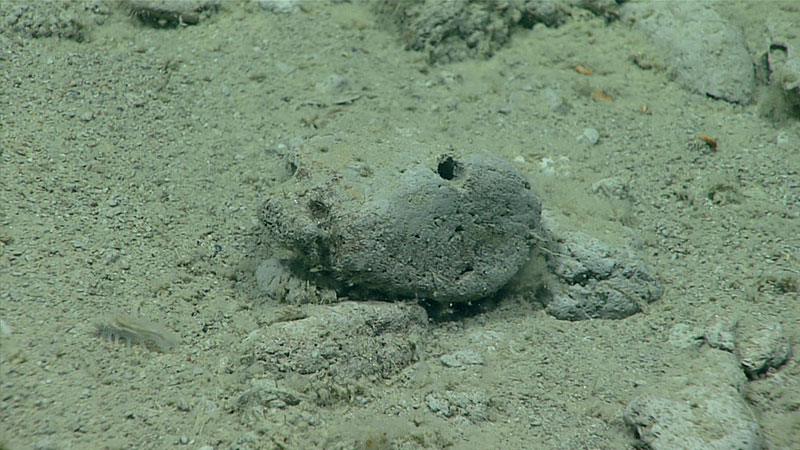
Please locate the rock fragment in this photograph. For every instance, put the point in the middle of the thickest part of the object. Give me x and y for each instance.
(601, 282)
(761, 346)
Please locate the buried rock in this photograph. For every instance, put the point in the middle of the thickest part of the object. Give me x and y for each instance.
(706, 54)
(699, 404)
(454, 231)
(346, 341)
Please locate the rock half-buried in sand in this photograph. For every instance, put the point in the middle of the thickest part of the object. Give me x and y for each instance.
(456, 230)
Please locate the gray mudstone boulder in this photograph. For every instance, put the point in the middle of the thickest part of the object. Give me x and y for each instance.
(454, 230)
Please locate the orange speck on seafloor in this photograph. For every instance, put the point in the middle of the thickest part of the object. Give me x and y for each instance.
(711, 142)
(600, 95)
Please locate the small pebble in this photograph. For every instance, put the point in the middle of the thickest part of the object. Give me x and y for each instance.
(590, 135)
(782, 139)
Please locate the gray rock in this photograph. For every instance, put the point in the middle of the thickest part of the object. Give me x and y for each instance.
(783, 60)
(718, 335)
(583, 258)
(45, 19)
(601, 282)
(613, 187)
(555, 101)
(467, 407)
(265, 393)
(602, 302)
(454, 231)
(346, 341)
(590, 136)
(687, 337)
(698, 405)
(707, 54)
(459, 29)
(761, 346)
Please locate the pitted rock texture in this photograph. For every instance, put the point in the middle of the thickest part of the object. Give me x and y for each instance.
(455, 230)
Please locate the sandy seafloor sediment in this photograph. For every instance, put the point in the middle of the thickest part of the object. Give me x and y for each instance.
(133, 163)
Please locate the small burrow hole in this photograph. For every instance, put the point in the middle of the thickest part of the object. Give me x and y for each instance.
(448, 168)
